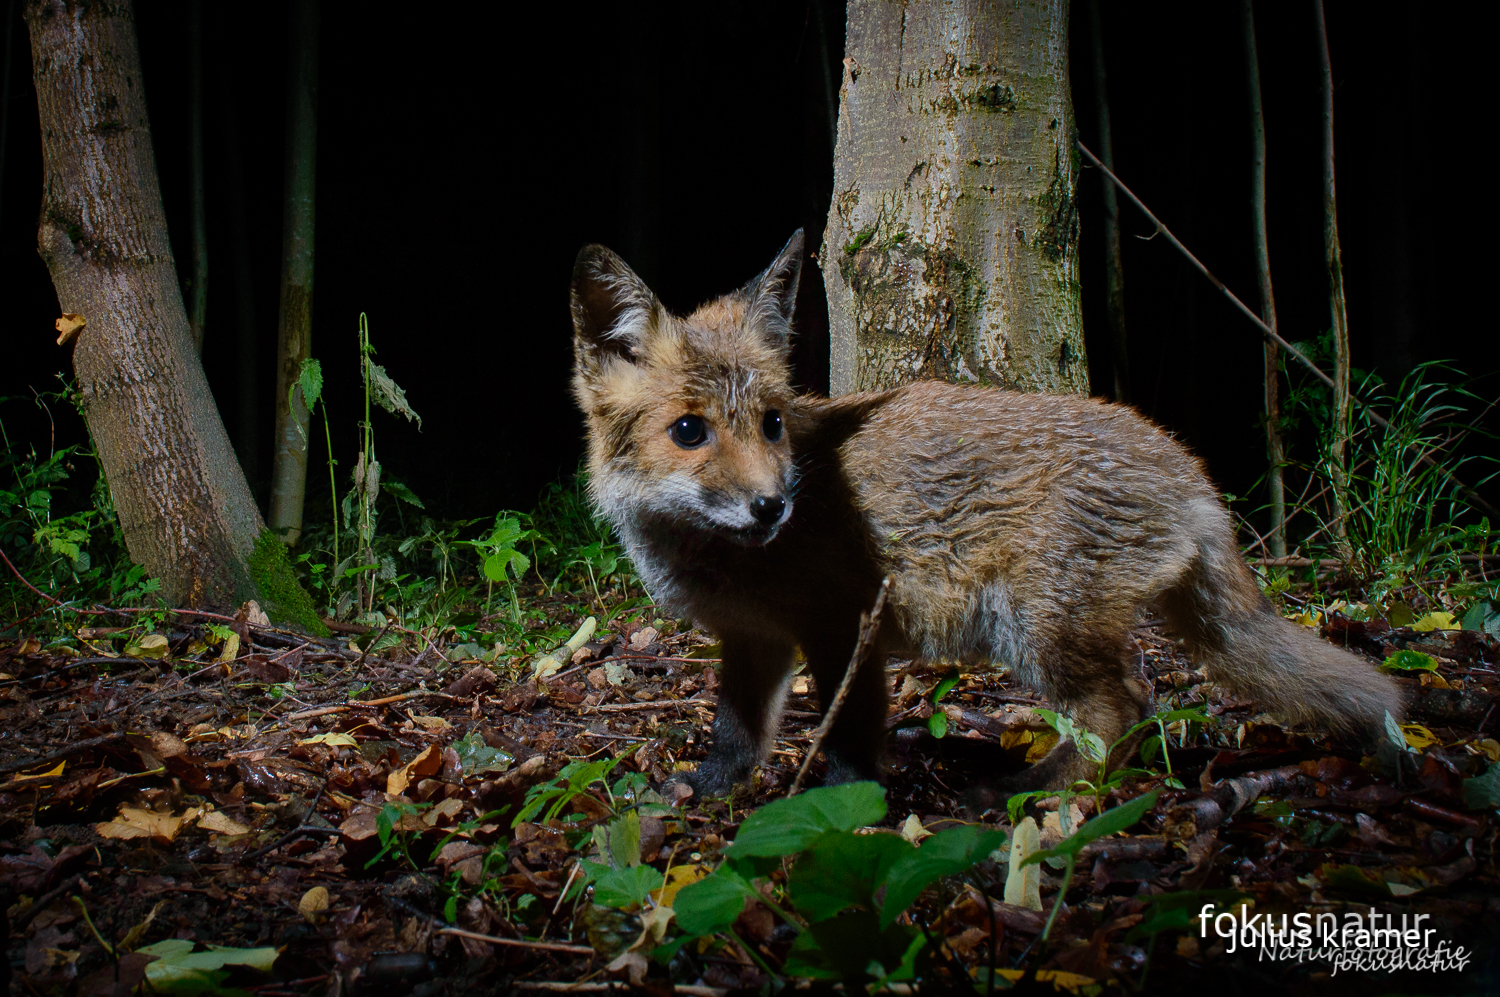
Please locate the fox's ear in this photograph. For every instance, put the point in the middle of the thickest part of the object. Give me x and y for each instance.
(773, 295)
(613, 309)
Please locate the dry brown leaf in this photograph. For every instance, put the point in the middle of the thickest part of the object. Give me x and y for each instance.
(69, 326)
(134, 822)
(426, 764)
(429, 723)
(221, 823)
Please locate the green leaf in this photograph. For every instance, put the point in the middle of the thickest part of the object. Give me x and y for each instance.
(1483, 792)
(624, 837)
(179, 970)
(946, 853)
(712, 903)
(1410, 661)
(850, 941)
(1109, 822)
(310, 380)
(937, 724)
(842, 869)
(477, 757)
(944, 687)
(791, 825)
(627, 887)
(400, 491)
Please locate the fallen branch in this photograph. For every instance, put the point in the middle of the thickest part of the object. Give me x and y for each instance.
(652, 705)
(345, 707)
(869, 625)
(1473, 497)
(520, 943)
(1191, 818)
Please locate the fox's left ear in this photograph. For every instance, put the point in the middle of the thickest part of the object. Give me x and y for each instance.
(773, 295)
(613, 309)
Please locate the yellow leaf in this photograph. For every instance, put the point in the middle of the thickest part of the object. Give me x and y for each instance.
(1307, 618)
(1489, 747)
(913, 830)
(313, 904)
(231, 648)
(221, 823)
(152, 646)
(134, 822)
(1435, 621)
(1418, 736)
(334, 739)
(69, 326)
(677, 877)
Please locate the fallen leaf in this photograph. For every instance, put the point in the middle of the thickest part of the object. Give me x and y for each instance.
(22, 780)
(69, 326)
(134, 822)
(912, 829)
(1436, 621)
(1418, 736)
(231, 648)
(677, 877)
(314, 904)
(221, 823)
(149, 646)
(426, 764)
(334, 739)
(429, 723)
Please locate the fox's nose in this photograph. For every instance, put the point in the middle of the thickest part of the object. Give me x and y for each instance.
(767, 509)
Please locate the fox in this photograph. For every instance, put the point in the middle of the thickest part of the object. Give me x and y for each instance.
(1024, 530)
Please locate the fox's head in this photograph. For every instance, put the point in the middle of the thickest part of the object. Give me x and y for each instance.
(687, 414)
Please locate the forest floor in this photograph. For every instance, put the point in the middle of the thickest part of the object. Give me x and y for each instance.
(342, 823)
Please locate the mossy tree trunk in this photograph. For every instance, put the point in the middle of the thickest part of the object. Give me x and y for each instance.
(183, 503)
(951, 247)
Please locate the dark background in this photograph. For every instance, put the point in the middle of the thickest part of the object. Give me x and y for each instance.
(463, 160)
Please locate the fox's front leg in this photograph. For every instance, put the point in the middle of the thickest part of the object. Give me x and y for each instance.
(752, 685)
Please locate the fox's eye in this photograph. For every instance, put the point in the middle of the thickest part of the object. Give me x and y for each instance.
(771, 425)
(688, 432)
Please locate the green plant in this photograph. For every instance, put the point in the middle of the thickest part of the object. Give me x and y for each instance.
(392, 839)
(502, 562)
(937, 723)
(575, 779)
(844, 890)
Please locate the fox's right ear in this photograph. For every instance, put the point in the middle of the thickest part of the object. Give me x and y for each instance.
(613, 309)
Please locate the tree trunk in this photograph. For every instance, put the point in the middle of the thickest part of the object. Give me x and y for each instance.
(198, 308)
(1114, 264)
(182, 500)
(1337, 312)
(294, 335)
(1274, 449)
(951, 247)
(247, 330)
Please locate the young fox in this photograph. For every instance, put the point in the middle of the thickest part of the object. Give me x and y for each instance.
(1025, 529)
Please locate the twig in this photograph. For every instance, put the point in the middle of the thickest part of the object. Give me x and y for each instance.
(1191, 818)
(520, 942)
(1474, 498)
(869, 625)
(345, 707)
(33, 588)
(652, 705)
(57, 756)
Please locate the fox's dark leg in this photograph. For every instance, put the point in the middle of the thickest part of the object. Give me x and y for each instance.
(1092, 679)
(751, 687)
(857, 739)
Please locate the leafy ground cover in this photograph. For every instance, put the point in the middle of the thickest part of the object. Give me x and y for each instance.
(216, 806)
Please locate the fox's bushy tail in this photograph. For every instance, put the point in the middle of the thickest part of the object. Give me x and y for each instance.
(1253, 653)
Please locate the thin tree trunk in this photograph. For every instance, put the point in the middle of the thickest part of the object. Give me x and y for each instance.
(183, 504)
(294, 334)
(198, 302)
(1274, 449)
(247, 330)
(951, 246)
(1114, 264)
(10, 25)
(1337, 311)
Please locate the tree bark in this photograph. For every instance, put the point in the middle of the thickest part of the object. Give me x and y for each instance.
(1275, 451)
(294, 335)
(198, 309)
(1114, 263)
(951, 246)
(1337, 312)
(183, 504)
